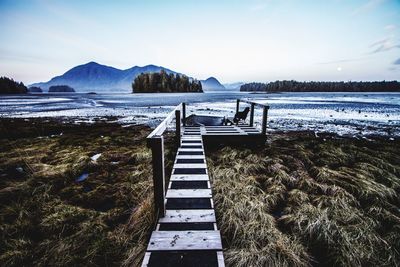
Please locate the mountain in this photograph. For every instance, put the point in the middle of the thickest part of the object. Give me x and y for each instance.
(212, 84)
(233, 86)
(99, 78)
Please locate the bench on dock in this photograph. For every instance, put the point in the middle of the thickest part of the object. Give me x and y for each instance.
(186, 233)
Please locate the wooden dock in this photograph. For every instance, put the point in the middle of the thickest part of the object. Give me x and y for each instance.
(186, 233)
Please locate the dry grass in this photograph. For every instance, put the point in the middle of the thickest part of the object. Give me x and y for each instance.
(47, 218)
(303, 201)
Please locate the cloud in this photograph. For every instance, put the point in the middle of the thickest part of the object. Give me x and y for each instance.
(347, 60)
(368, 6)
(390, 27)
(383, 45)
(258, 7)
(397, 62)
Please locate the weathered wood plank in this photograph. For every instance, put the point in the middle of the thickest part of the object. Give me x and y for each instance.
(191, 137)
(189, 161)
(181, 216)
(185, 240)
(189, 177)
(189, 193)
(189, 165)
(227, 134)
(146, 259)
(190, 149)
(220, 257)
(202, 156)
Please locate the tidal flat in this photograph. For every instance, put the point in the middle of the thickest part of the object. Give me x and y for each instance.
(81, 194)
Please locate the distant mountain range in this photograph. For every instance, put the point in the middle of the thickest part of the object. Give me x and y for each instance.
(212, 84)
(233, 86)
(99, 78)
(94, 77)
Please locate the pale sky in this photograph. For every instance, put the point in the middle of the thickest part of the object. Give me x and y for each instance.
(256, 40)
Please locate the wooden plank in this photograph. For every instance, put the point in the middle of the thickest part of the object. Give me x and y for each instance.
(190, 149)
(220, 258)
(157, 147)
(189, 193)
(190, 165)
(189, 177)
(227, 134)
(191, 137)
(163, 125)
(255, 103)
(184, 240)
(189, 161)
(184, 216)
(192, 146)
(190, 156)
(146, 259)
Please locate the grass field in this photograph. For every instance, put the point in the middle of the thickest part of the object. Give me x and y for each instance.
(309, 201)
(299, 201)
(48, 218)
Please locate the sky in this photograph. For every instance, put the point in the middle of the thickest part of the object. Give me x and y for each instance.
(253, 40)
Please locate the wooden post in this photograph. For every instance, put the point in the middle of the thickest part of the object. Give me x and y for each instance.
(157, 149)
(237, 105)
(252, 114)
(178, 127)
(264, 120)
(184, 114)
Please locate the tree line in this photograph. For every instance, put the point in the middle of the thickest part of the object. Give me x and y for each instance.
(295, 86)
(9, 86)
(162, 82)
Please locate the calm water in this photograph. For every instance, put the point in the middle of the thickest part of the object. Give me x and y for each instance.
(343, 113)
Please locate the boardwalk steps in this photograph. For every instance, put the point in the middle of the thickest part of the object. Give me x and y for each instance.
(187, 235)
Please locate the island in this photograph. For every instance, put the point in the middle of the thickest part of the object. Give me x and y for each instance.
(35, 89)
(61, 89)
(9, 86)
(312, 86)
(162, 82)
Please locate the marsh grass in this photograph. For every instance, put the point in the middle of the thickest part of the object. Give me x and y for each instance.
(47, 218)
(309, 201)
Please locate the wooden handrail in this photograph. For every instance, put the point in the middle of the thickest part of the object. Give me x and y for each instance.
(164, 124)
(155, 140)
(254, 103)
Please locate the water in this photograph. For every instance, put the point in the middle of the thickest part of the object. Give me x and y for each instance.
(82, 177)
(343, 113)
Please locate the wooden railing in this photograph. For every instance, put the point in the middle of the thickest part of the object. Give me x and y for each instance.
(252, 106)
(155, 140)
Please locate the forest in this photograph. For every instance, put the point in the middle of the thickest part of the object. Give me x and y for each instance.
(9, 86)
(61, 89)
(295, 86)
(162, 82)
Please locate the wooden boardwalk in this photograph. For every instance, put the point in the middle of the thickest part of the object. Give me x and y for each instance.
(186, 233)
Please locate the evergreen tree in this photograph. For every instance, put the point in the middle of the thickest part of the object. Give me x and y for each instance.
(9, 86)
(161, 82)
